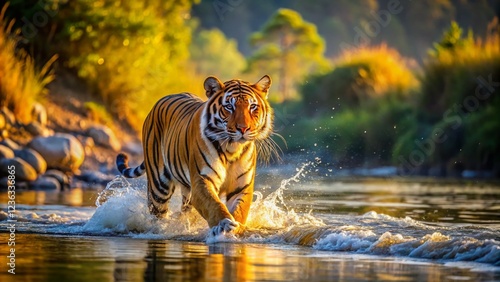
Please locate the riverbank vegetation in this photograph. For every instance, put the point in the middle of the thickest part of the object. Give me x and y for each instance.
(360, 86)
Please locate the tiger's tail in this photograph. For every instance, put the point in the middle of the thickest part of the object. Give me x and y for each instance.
(125, 170)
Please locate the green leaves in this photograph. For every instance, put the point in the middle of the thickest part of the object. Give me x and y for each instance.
(288, 48)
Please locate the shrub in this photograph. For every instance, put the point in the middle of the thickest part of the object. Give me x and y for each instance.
(359, 76)
(130, 53)
(449, 102)
(453, 66)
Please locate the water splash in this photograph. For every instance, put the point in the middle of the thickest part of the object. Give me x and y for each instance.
(122, 210)
(272, 212)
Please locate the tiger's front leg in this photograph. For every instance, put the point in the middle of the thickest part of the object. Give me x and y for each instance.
(239, 198)
(206, 201)
(241, 184)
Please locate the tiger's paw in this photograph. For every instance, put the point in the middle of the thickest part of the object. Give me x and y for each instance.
(226, 226)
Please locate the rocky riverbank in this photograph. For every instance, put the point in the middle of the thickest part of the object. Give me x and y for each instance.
(62, 147)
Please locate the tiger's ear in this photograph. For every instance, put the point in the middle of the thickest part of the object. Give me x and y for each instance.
(264, 84)
(212, 84)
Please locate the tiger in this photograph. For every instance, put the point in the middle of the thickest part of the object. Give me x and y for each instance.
(208, 149)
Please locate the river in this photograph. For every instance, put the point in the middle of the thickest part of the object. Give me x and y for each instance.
(300, 228)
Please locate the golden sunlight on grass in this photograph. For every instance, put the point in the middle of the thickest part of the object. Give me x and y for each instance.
(380, 67)
(20, 83)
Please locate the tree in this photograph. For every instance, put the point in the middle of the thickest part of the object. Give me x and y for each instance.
(288, 48)
(128, 52)
(214, 54)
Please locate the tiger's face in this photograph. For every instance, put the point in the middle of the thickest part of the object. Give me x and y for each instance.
(238, 111)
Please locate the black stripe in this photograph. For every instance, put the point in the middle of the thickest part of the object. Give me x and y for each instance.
(206, 177)
(237, 191)
(208, 164)
(158, 199)
(245, 172)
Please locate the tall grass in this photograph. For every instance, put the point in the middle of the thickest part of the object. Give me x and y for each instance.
(21, 84)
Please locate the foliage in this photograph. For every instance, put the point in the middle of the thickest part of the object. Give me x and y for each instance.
(21, 83)
(452, 70)
(211, 53)
(353, 137)
(288, 48)
(359, 76)
(98, 113)
(457, 86)
(128, 52)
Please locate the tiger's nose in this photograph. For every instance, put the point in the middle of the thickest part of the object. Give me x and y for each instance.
(242, 128)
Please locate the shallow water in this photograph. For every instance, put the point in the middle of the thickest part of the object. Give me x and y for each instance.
(300, 228)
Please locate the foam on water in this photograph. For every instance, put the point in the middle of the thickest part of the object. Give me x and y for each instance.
(122, 211)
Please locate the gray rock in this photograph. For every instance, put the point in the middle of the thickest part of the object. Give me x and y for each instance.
(10, 144)
(6, 152)
(88, 144)
(105, 137)
(39, 114)
(134, 148)
(33, 158)
(4, 184)
(60, 151)
(45, 183)
(94, 177)
(36, 129)
(60, 176)
(21, 169)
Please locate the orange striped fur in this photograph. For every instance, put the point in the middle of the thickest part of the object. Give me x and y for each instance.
(207, 149)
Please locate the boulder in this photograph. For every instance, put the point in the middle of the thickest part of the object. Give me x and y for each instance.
(6, 152)
(39, 114)
(45, 183)
(60, 151)
(36, 129)
(5, 183)
(94, 177)
(105, 137)
(60, 176)
(88, 144)
(17, 167)
(134, 148)
(10, 144)
(33, 158)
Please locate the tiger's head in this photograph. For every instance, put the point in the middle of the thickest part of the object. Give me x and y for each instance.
(238, 111)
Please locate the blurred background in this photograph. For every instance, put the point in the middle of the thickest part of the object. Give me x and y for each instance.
(411, 86)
